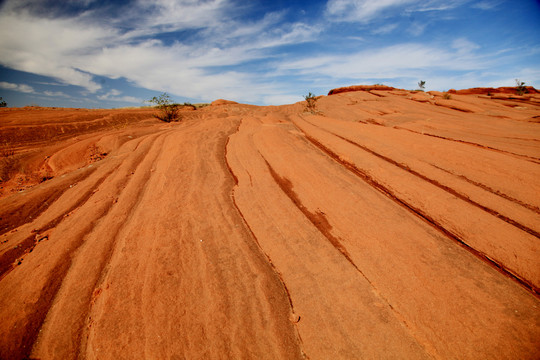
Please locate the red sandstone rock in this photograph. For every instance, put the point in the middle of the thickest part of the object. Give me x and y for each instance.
(222, 102)
(359, 88)
(376, 227)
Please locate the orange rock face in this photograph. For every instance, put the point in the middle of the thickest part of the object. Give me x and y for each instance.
(359, 88)
(384, 224)
(222, 102)
(503, 90)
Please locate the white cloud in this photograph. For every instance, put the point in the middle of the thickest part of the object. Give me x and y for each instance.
(181, 69)
(180, 14)
(107, 96)
(387, 62)
(24, 88)
(464, 46)
(51, 83)
(360, 10)
(17, 87)
(129, 99)
(47, 46)
(386, 29)
(113, 95)
(223, 54)
(237, 30)
(487, 4)
(402, 66)
(55, 94)
(72, 50)
(365, 11)
(416, 29)
(437, 5)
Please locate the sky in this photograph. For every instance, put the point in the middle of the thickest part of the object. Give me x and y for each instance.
(119, 53)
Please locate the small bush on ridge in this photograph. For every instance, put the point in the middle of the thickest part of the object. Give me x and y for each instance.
(311, 100)
(168, 111)
(520, 87)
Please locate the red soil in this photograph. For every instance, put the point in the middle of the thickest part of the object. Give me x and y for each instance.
(388, 224)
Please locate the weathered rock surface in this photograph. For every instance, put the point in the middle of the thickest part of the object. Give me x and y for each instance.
(387, 224)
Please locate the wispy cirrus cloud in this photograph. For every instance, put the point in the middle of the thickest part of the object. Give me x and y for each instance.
(386, 29)
(17, 87)
(390, 61)
(400, 66)
(27, 89)
(258, 52)
(167, 15)
(114, 95)
(464, 46)
(364, 11)
(416, 29)
(55, 94)
(74, 48)
(487, 4)
(360, 10)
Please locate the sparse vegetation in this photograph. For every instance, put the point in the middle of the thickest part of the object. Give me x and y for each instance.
(446, 96)
(311, 100)
(189, 105)
(520, 87)
(421, 85)
(168, 111)
(2, 103)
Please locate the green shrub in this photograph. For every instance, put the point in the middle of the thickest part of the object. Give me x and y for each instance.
(422, 85)
(168, 111)
(520, 87)
(189, 105)
(311, 100)
(2, 103)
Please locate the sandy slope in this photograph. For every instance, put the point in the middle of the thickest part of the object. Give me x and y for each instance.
(389, 224)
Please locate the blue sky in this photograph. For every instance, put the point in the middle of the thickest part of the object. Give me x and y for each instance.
(106, 53)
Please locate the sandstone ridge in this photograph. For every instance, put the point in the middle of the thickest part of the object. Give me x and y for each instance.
(385, 223)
